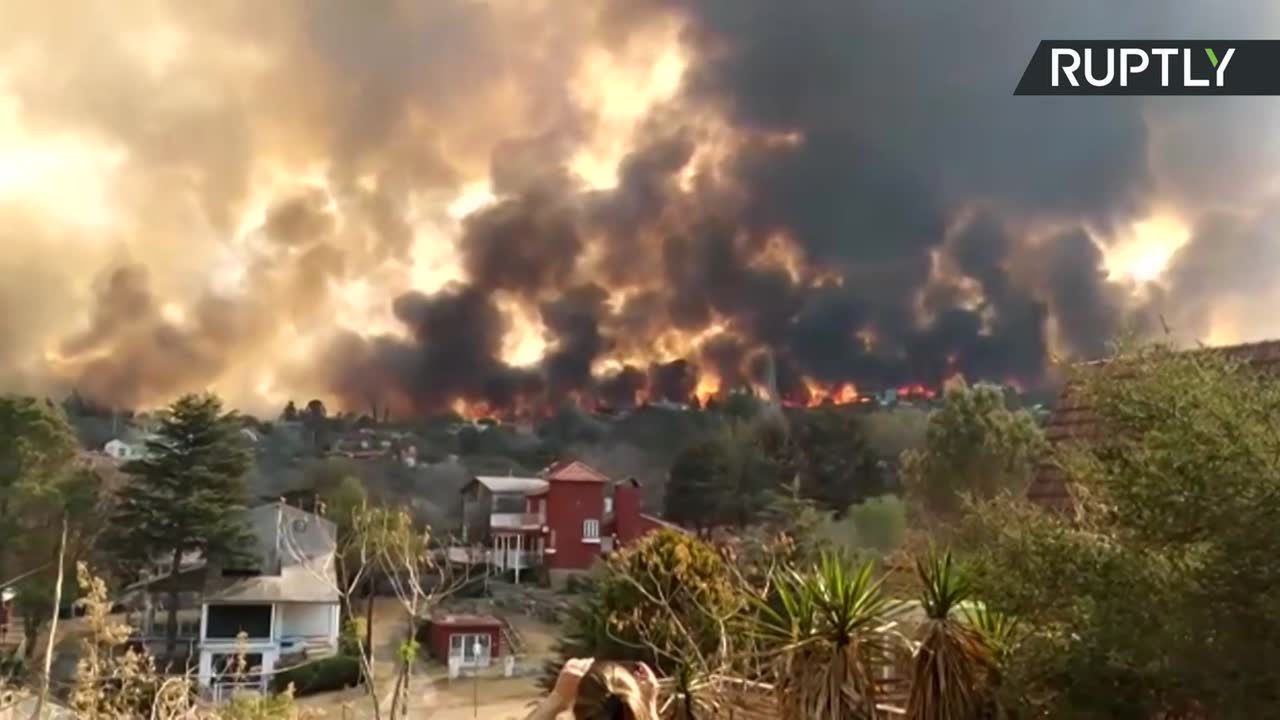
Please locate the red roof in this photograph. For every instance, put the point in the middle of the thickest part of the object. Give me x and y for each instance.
(1074, 421)
(573, 470)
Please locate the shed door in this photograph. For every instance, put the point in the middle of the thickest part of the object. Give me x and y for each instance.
(472, 648)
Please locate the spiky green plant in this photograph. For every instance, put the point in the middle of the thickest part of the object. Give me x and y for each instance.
(954, 664)
(822, 627)
(1000, 631)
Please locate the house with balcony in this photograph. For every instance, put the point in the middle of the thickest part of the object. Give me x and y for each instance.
(563, 520)
(278, 606)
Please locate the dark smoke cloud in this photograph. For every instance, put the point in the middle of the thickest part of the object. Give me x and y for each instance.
(673, 381)
(573, 322)
(523, 244)
(841, 191)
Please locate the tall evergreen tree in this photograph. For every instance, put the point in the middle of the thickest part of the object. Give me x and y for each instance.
(695, 488)
(187, 494)
(37, 448)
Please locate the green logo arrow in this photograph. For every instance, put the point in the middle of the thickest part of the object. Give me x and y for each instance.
(1212, 57)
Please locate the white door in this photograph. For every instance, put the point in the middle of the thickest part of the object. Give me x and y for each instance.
(470, 649)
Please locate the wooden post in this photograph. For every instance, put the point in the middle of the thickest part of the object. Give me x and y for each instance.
(53, 622)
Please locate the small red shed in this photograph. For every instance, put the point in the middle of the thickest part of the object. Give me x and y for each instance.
(475, 640)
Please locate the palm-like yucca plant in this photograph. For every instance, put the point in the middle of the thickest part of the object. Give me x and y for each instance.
(824, 626)
(1000, 632)
(954, 663)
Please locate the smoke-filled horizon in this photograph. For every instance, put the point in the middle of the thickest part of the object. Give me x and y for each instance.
(422, 205)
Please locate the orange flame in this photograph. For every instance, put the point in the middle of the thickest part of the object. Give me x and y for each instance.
(708, 387)
(845, 393)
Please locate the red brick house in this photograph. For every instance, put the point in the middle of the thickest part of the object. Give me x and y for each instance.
(564, 519)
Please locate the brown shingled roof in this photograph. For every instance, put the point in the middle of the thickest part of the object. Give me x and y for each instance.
(1073, 421)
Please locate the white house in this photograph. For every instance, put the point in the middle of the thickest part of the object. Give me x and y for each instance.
(287, 606)
(284, 601)
(121, 450)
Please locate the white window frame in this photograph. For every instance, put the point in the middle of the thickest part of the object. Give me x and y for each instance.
(467, 643)
(591, 530)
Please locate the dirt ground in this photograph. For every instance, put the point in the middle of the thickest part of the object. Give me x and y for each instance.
(434, 695)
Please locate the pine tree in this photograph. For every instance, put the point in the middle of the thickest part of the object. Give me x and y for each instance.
(187, 494)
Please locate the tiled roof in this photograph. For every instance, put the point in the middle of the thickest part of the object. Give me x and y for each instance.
(574, 470)
(1073, 421)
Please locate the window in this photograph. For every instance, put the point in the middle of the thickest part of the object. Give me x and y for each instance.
(472, 649)
(225, 622)
(590, 529)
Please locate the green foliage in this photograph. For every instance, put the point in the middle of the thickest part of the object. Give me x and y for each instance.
(326, 476)
(695, 483)
(316, 676)
(252, 706)
(890, 432)
(953, 664)
(1159, 598)
(974, 446)
(37, 453)
(821, 626)
(667, 600)
(354, 631)
(188, 493)
(795, 531)
(728, 479)
(34, 603)
(878, 523)
(831, 456)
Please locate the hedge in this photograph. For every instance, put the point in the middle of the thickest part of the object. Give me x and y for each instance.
(331, 673)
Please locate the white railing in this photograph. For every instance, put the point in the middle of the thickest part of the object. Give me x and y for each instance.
(510, 559)
(509, 521)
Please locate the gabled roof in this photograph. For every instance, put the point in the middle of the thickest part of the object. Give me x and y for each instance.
(574, 470)
(294, 551)
(296, 556)
(1073, 421)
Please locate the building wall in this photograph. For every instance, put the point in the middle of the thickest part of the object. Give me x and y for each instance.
(626, 512)
(440, 633)
(308, 620)
(569, 503)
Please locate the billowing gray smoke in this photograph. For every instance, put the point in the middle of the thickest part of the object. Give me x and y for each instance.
(904, 146)
(849, 186)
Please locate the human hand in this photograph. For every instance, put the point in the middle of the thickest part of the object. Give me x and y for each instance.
(648, 683)
(566, 688)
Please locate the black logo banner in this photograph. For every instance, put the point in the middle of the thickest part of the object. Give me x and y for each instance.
(1153, 67)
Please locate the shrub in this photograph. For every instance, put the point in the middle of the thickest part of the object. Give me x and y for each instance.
(332, 673)
(353, 633)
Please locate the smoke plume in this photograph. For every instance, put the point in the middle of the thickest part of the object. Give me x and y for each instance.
(508, 207)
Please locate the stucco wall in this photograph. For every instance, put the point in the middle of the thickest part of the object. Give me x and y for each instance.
(308, 620)
(568, 504)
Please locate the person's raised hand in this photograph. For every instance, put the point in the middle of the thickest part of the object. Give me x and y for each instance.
(566, 688)
(648, 683)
